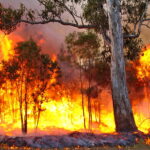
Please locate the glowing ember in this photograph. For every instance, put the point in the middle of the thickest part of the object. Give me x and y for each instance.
(66, 111)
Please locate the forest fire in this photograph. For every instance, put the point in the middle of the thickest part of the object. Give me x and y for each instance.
(6, 46)
(62, 110)
(143, 72)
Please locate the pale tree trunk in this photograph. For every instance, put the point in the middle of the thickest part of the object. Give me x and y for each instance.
(122, 108)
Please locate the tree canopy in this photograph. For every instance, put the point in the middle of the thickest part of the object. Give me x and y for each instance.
(90, 14)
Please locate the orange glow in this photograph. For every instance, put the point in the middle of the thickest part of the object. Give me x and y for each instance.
(65, 111)
(148, 141)
(54, 57)
(144, 69)
(142, 117)
(6, 46)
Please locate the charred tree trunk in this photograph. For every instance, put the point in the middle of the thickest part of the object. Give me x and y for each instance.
(26, 107)
(26, 118)
(12, 102)
(21, 107)
(21, 116)
(22, 94)
(82, 96)
(89, 95)
(90, 112)
(99, 112)
(38, 118)
(122, 108)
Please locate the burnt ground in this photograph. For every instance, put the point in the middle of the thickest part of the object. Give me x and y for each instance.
(74, 139)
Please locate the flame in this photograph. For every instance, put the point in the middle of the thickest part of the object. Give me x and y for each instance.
(142, 117)
(54, 57)
(148, 141)
(6, 46)
(65, 111)
(144, 68)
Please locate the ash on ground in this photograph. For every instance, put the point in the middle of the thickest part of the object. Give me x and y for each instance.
(74, 139)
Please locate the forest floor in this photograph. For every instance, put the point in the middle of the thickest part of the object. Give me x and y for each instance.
(139, 146)
(77, 141)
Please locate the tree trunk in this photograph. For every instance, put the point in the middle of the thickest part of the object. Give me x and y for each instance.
(82, 96)
(26, 117)
(122, 108)
(26, 107)
(89, 95)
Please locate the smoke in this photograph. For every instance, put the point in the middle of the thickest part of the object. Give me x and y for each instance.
(49, 36)
(53, 34)
(145, 35)
(16, 3)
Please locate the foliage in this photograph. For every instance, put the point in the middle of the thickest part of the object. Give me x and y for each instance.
(133, 10)
(10, 18)
(83, 46)
(132, 48)
(93, 15)
(95, 12)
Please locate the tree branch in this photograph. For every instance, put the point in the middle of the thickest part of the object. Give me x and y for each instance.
(82, 26)
(139, 24)
(68, 10)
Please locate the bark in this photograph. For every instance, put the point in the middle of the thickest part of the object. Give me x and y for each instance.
(90, 112)
(26, 118)
(23, 102)
(38, 118)
(122, 108)
(82, 96)
(99, 112)
(26, 106)
(89, 95)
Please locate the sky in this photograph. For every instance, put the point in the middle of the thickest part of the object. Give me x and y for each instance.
(53, 33)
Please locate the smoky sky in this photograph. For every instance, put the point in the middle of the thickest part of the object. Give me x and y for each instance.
(52, 34)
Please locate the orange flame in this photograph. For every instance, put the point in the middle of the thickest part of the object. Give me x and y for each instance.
(144, 69)
(148, 141)
(65, 112)
(6, 46)
(143, 75)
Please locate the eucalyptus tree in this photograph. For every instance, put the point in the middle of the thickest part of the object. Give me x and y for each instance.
(115, 20)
